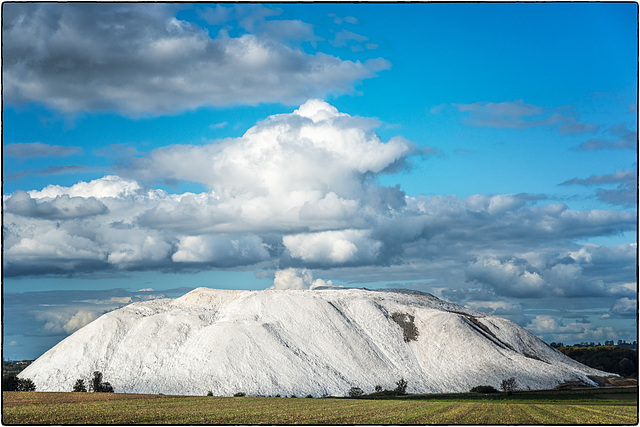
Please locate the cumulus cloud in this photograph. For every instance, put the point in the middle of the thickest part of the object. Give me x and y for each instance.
(78, 320)
(62, 312)
(333, 247)
(221, 250)
(548, 326)
(316, 144)
(60, 207)
(66, 322)
(508, 277)
(109, 186)
(312, 167)
(138, 59)
(293, 278)
(625, 307)
(590, 271)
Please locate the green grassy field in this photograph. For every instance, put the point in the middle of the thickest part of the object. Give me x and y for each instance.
(107, 408)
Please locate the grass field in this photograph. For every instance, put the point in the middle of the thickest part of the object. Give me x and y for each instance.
(108, 408)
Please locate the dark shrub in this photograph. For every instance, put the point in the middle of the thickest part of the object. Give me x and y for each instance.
(97, 386)
(13, 383)
(239, 394)
(355, 392)
(79, 386)
(484, 389)
(106, 388)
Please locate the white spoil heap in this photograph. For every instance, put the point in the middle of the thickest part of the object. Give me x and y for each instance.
(298, 342)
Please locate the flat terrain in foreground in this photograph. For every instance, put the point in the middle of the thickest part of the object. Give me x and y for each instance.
(108, 408)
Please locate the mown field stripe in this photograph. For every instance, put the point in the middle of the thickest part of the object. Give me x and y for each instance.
(420, 413)
(615, 414)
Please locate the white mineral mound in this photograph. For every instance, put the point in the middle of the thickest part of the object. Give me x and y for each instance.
(319, 342)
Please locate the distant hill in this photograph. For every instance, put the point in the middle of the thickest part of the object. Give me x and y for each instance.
(619, 360)
(14, 368)
(304, 342)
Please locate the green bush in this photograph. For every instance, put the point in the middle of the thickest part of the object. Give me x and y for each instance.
(484, 389)
(209, 393)
(239, 394)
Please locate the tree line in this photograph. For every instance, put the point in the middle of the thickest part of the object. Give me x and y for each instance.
(11, 382)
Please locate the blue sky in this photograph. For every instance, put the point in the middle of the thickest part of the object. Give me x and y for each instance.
(483, 152)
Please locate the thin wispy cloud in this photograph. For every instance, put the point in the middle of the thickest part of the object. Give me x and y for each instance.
(51, 170)
(520, 115)
(619, 137)
(24, 150)
(625, 193)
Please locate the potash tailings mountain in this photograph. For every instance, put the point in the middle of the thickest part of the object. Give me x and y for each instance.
(298, 342)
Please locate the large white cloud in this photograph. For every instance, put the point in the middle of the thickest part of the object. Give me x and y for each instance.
(140, 59)
(314, 148)
(309, 169)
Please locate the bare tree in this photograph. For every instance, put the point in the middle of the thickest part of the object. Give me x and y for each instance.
(509, 385)
(401, 386)
(97, 386)
(96, 381)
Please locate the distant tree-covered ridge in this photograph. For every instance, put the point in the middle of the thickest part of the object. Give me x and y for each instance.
(14, 368)
(616, 359)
